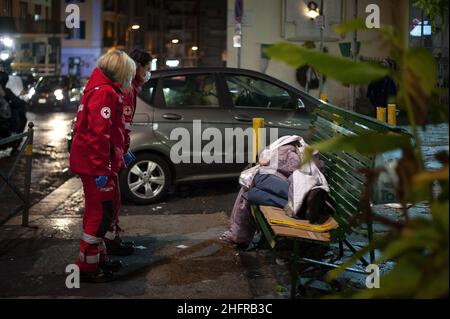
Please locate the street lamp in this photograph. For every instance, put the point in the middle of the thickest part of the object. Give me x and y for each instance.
(313, 10)
(134, 27)
(194, 48)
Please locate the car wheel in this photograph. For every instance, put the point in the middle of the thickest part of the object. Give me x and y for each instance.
(146, 180)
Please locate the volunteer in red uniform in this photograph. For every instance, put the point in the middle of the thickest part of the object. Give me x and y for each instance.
(97, 156)
(115, 245)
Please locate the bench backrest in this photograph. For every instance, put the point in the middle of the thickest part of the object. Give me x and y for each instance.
(342, 168)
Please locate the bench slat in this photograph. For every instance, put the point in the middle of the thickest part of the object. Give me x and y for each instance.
(297, 233)
(346, 169)
(345, 209)
(355, 188)
(354, 126)
(354, 159)
(331, 128)
(273, 216)
(342, 114)
(358, 159)
(351, 197)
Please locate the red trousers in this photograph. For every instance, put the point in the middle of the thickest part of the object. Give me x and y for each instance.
(101, 211)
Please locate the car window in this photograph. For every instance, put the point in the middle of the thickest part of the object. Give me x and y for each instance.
(190, 91)
(248, 91)
(148, 91)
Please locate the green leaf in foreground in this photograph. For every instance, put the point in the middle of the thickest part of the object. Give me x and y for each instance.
(339, 68)
(424, 66)
(351, 25)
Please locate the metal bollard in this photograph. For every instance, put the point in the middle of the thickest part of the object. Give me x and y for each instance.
(381, 114)
(28, 168)
(392, 114)
(258, 137)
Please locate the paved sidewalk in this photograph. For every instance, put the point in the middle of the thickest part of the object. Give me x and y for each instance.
(179, 256)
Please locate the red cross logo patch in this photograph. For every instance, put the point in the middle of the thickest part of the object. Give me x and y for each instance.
(106, 113)
(127, 110)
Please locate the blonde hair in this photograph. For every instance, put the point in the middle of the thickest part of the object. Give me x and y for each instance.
(118, 66)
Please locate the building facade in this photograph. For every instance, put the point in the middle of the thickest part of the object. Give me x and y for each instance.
(188, 32)
(81, 47)
(31, 33)
(267, 22)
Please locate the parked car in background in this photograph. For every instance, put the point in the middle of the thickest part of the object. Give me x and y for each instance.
(29, 79)
(55, 93)
(218, 97)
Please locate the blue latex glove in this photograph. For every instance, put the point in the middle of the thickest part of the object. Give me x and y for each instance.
(101, 181)
(128, 158)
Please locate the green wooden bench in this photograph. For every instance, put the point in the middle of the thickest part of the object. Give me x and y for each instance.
(346, 184)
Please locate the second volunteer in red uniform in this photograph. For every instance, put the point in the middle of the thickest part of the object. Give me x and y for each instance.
(115, 245)
(97, 156)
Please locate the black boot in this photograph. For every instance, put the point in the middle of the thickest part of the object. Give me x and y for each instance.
(117, 248)
(111, 265)
(96, 276)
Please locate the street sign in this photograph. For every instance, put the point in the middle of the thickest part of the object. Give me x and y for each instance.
(237, 41)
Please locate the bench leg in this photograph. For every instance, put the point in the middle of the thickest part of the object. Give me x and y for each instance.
(353, 250)
(370, 237)
(294, 271)
(341, 249)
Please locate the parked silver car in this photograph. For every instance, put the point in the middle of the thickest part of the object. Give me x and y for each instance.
(220, 98)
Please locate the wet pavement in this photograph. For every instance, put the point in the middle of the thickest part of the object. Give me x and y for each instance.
(50, 161)
(434, 139)
(179, 253)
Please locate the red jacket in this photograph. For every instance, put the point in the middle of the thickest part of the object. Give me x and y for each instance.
(99, 132)
(129, 108)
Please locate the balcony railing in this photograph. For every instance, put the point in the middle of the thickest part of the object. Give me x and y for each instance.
(29, 25)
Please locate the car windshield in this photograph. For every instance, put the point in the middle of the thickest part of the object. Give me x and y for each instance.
(52, 83)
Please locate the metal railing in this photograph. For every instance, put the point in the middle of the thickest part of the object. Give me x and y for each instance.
(26, 150)
(30, 25)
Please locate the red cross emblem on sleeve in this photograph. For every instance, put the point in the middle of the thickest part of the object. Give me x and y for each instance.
(127, 110)
(106, 113)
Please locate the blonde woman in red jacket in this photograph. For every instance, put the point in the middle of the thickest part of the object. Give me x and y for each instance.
(97, 156)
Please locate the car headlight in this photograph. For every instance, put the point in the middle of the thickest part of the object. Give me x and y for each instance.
(59, 94)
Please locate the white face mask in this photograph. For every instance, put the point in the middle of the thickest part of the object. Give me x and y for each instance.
(147, 76)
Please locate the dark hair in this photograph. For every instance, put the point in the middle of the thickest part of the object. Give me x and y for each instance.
(4, 77)
(141, 57)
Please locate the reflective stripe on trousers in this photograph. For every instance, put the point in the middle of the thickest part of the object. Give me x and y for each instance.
(95, 259)
(102, 248)
(91, 239)
(110, 235)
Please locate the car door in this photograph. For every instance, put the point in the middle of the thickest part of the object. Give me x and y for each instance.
(253, 97)
(193, 104)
